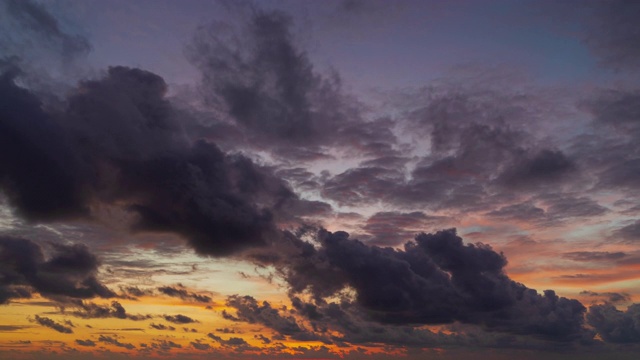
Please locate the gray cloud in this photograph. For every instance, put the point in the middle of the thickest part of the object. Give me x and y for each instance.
(70, 271)
(115, 341)
(628, 234)
(392, 228)
(614, 325)
(179, 319)
(434, 280)
(270, 90)
(47, 322)
(249, 310)
(184, 294)
(87, 342)
(122, 122)
(89, 310)
(608, 297)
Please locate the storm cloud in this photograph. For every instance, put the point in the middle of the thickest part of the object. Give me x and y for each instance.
(69, 271)
(436, 279)
(117, 142)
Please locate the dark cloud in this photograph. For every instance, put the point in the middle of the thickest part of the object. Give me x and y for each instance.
(434, 280)
(165, 345)
(47, 322)
(87, 342)
(89, 310)
(233, 342)
(483, 151)
(200, 346)
(543, 168)
(118, 142)
(262, 338)
(7, 328)
(38, 175)
(614, 325)
(114, 341)
(179, 319)
(249, 310)
(162, 327)
(136, 292)
(270, 90)
(69, 271)
(184, 294)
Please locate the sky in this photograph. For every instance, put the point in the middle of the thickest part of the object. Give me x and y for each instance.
(319, 179)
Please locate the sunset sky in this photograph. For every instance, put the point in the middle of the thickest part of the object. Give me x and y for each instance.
(319, 179)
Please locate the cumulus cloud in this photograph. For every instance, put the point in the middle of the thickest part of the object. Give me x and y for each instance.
(69, 271)
(614, 325)
(117, 142)
(435, 280)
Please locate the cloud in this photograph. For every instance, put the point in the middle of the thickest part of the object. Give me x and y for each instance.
(393, 228)
(36, 36)
(114, 341)
(628, 234)
(87, 342)
(69, 271)
(435, 280)
(184, 294)
(162, 327)
(27, 132)
(179, 319)
(47, 322)
(200, 346)
(269, 89)
(89, 310)
(165, 345)
(233, 342)
(249, 310)
(7, 328)
(544, 167)
(118, 142)
(608, 297)
(614, 325)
